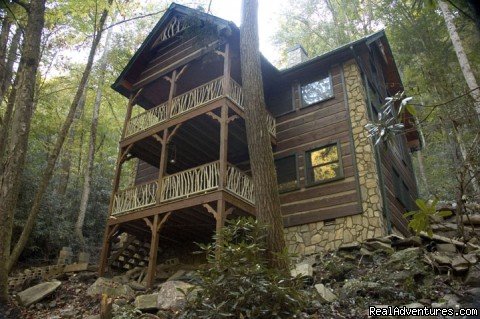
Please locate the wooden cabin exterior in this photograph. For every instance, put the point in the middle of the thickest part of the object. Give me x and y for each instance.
(185, 126)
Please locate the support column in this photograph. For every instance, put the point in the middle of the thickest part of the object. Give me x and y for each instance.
(163, 163)
(109, 232)
(226, 69)
(155, 228)
(173, 87)
(220, 215)
(223, 147)
(152, 258)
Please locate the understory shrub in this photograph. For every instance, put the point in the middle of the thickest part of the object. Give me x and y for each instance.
(239, 283)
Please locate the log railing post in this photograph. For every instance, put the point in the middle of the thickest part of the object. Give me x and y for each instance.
(226, 70)
(223, 147)
(152, 258)
(173, 87)
(163, 164)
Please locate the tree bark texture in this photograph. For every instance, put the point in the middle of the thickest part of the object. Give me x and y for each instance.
(53, 156)
(462, 56)
(13, 164)
(267, 200)
(91, 148)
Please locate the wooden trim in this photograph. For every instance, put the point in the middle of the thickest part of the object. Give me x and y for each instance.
(308, 165)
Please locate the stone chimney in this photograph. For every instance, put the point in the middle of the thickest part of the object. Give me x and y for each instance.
(296, 55)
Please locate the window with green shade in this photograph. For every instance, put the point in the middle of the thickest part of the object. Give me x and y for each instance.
(316, 91)
(324, 164)
(287, 178)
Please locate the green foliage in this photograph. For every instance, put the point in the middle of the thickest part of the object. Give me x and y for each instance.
(421, 218)
(239, 283)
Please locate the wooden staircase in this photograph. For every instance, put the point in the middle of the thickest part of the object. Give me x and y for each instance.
(128, 252)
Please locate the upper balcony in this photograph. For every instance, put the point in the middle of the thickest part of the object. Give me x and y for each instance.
(182, 185)
(189, 101)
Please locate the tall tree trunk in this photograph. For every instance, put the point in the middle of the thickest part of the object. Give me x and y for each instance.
(461, 55)
(66, 158)
(466, 160)
(92, 144)
(6, 80)
(53, 156)
(4, 33)
(267, 200)
(13, 164)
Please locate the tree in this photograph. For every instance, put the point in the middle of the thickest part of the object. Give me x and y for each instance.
(267, 200)
(461, 55)
(55, 152)
(92, 145)
(13, 164)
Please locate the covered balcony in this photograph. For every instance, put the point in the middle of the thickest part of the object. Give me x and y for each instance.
(192, 182)
(221, 87)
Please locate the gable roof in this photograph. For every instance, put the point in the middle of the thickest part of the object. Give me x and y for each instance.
(150, 40)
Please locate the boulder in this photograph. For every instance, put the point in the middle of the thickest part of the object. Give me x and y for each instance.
(302, 269)
(147, 302)
(170, 298)
(350, 246)
(473, 277)
(325, 293)
(413, 241)
(379, 245)
(446, 248)
(76, 267)
(405, 255)
(110, 288)
(137, 286)
(180, 273)
(37, 293)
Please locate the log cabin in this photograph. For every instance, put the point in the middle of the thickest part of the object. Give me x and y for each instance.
(185, 130)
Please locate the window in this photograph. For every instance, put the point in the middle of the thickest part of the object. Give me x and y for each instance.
(402, 192)
(324, 164)
(316, 91)
(286, 173)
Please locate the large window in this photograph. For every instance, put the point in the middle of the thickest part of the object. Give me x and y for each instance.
(287, 173)
(324, 164)
(316, 91)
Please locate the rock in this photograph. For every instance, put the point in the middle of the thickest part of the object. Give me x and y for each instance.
(147, 302)
(461, 263)
(52, 304)
(170, 298)
(473, 277)
(120, 302)
(176, 275)
(405, 255)
(75, 267)
(39, 306)
(111, 288)
(378, 245)
(137, 286)
(441, 259)
(92, 317)
(446, 248)
(413, 241)
(326, 294)
(350, 246)
(84, 276)
(365, 252)
(302, 269)
(37, 293)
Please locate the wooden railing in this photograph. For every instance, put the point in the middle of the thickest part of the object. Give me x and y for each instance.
(240, 183)
(146, 119)
(190, 182)
(189, 101)
(133, 198)
(197, 97)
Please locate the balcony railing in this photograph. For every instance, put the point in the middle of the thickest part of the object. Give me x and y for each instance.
(184, 184)
(187, 102)
(139, 196)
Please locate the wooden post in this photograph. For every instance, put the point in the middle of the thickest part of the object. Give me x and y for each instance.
(223, 147)
(163, 163)
(128, 115)
(173, 87)
(152, 259)
(109, 232)
(226, 70)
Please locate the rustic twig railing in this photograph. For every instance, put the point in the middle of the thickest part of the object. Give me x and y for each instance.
(236, 93)
(190, 182)
(146, 119)
(133, 198)
(240, 183)
(272, 124)
(194, 181)
(197, 97)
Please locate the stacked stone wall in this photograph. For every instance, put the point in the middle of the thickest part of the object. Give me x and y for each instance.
(315, 237)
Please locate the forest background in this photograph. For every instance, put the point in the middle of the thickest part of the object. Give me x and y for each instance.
(416, 30)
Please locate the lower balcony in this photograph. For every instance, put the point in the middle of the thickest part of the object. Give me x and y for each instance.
(189, 183)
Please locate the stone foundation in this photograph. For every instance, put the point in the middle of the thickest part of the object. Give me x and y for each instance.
(319, 236)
